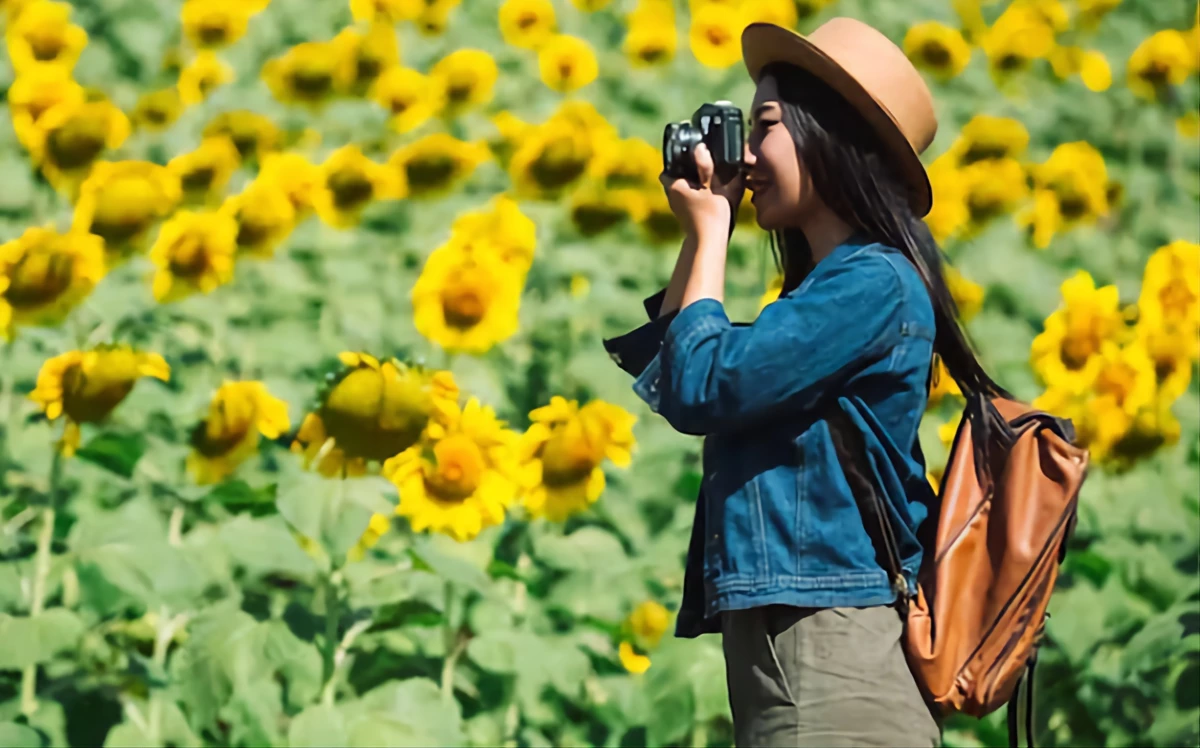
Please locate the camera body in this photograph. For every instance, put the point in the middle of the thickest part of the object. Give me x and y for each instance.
(719, 127)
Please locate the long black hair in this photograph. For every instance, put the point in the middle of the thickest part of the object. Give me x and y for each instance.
(854, 176)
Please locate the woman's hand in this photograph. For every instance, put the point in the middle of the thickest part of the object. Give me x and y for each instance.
(704, 209)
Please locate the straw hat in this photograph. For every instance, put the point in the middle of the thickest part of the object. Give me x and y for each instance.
(872, 74)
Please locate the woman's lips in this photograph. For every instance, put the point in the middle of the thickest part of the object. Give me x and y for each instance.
(757, 189)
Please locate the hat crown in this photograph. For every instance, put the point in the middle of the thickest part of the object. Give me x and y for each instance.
(884, 72)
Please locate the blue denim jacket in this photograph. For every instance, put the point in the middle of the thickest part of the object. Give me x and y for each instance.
(776, 522)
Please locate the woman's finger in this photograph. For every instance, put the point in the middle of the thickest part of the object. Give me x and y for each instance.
(704, 164)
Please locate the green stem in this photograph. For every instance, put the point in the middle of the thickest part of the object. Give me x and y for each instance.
(161, 640)
(700, 735)
(329, 649)
(453, 646)
(7, 407)
(41, 572)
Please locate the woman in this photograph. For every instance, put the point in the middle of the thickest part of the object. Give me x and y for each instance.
(780, 561)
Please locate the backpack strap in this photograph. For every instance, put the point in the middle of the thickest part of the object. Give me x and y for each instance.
(852, 453)
(1015, 723)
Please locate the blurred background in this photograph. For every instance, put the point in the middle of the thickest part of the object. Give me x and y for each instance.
(307, 435)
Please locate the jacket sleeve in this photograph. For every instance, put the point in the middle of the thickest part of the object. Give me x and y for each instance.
(634, 350)
(711, 375)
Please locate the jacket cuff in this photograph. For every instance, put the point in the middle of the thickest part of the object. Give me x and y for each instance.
(697, 318)
(634, 350)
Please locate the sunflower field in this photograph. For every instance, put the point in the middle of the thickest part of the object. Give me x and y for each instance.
(307, 435)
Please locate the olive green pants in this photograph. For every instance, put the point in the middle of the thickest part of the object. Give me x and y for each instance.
(823, 677)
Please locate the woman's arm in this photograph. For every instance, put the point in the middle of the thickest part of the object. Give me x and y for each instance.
(679, 276)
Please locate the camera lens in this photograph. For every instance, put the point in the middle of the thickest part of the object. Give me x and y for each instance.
(679, 140)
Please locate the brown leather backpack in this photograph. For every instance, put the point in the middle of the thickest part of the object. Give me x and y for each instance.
(979, 614)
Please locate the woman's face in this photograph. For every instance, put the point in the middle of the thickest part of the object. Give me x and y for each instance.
(782, 190)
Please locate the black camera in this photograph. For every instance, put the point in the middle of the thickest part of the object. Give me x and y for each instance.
(719, 127)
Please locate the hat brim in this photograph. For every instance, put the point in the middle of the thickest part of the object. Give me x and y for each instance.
(766, 43)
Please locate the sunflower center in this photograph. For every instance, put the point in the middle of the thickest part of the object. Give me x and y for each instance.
(457, 469)
(46, 45)
(213, 30)
(982, 150)
(251, 233)
(1117, 380)
(430, 171)
(367, 68)
(222, 431)
(652, 53)
(1011, 61)
(1156, 74)
(936, 54)
(1072, 205)
(189, 257)
(717, 36)
(374, 416)
(569, 456)
(1177, 299)
(198, 179)
(464, 304)
(593, 218)
(89, 398)
(1077, 349)
(39, 279)
(77, 143)
(558, 165)
(401, 104)
(662, 224)
(350, 188)
(312, 82)
(123, 210)
(460, 87)
(527, 20)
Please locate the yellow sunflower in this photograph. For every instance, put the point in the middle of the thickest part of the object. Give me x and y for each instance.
(1090, 65)
(213, 24)
(43, 35)
(45, 274)
(467, 79)
(388, 11)
(35, 93)
(435, 16)
(264, 215)
(590, 6)
(552, 158)
(967, 294)
(157, 110)
(254, 135)
(526, 23)
(633, 661)
(194, 253)
(651, 38)
(204, 172)
(70, 136)
(659, 221)
(986, 137)
(937, 48)
(1070, 188)
(510, 130)
(941, 384)
(1162, 61)
(370, 411)
(567, 63)
(715, 35)
(411, 97)
(466, 302)
(1018, 37)
(437, 164)
(199, 78)
(228, 436)
(309, 74)
(86, 386)
(563, 449)
(501, 230)
(994, 187)
(949, 214)
(1170, 295)
(366, 56)
(349, 183)
(120, 201)
(771, 294)
(594, 210)
(296, 177)
(460, 477)
(1065, 354)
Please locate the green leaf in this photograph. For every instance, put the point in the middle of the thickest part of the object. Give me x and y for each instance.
(14, 735)
(318, 726)
(29, 641)
(403, 713)
(175, 730)
(239, 496)
(116, 452)
(263, 546)
(452, 569)
(586, 549)
(333, 512)
(494, 651)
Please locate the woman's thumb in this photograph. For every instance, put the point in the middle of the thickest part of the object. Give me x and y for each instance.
(704, 164)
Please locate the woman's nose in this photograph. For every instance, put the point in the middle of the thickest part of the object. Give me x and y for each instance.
(747, 157)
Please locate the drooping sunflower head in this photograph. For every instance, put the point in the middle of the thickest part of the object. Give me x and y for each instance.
(70, 137)
(295, 176)
(467, 79)
(254, 135)
(86, 386)
(466, 302)
(264, 215)
(194, 253)
(45, 274)
(34, 93)
(411, 97)
(371, 410)
(309, 74)
(157, 110)
(500, 229)
(120, 201)
(567, 63)
(562, 452)
(201, 76)
(214, 24)
(365, 56)
(204, 172)
(43, 35)
(238, 413)
(1163, 60)
(526, 24)
(715, 34)
(459, 478)
(436, 164)
(350, 182)
(937, 48)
